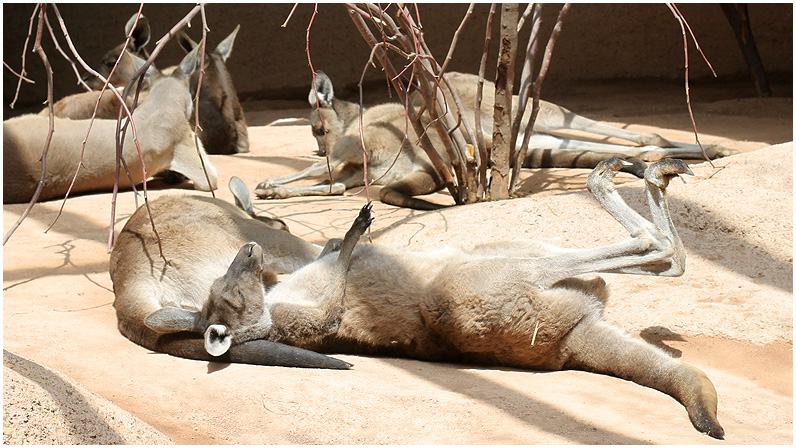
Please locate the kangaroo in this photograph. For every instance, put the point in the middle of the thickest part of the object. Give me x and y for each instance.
(164, 136)
(80, 106)
(516, 303)
(335, 125)
(200, 237)
(222, 124)
(126, 68)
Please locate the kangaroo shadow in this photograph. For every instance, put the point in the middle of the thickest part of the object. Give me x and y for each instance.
(536, 413)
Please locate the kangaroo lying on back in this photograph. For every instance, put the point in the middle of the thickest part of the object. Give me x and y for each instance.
(222, 124)
(516, 303)
(165, 137)
(335, 125)
(200, 238)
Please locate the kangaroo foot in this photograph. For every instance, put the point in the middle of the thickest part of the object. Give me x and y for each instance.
(660, 173)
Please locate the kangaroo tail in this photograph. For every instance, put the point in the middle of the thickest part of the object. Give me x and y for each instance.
(259, 352)
(596, 346)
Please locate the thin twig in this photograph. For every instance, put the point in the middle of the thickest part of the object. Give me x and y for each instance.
(17, 74)
(197, 126)
(295, 5)
(681, 20)
(96, 107)
(537, 87)
(24, 53)
(326, 147)
(60, 50)
(483, 163)
(37, 48)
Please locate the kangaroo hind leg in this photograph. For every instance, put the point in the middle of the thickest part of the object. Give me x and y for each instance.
(401, 192)
(596, 346)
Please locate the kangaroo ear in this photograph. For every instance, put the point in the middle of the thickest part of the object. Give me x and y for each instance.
(186, 43)
(243, 198)
(325, 91)
(225, 47)
(152, 72)
(141, 33)
(172, 320)
(189, 62)
(218, 340)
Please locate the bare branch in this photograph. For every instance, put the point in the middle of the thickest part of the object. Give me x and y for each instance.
(681, 20)
(60, 50)
(37, 48)
(24, 54)
(295, 5)
(197, 126)
(479, 131)
(18, 75)
(537, 89)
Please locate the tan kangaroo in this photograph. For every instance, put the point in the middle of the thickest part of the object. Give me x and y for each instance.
(516, 303)
(336, 130)
(165, 137)
(200, 238)
(222, 124)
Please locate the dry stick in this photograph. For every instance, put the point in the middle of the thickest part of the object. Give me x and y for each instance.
(60, 50)
(197, 127)
(483, 153)
(356, 15)
(13, 72)
(453, 141)
(37, 48)
(295, 5)
(528, 9)
(327, 149)
(681, 20)
(526, 81)
(455, 150)
(91, 124)
(537, 85)
(139, 75)
(24, 53)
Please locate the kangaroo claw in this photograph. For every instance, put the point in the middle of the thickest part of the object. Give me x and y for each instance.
(661, 172)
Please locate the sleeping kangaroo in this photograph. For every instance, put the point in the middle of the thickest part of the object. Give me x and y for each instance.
(222, 124)
(335, 125)
(200, 237)
(515, 303)
(165, 137)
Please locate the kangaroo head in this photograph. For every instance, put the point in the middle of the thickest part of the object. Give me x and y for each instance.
(126, 68)
(236, 302)
(329, 117)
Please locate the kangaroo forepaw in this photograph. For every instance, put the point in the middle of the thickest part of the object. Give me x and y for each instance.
(660, 173)
(364, 218)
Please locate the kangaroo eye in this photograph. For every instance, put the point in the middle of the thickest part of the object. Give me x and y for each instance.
(242, 298)
(318, 131)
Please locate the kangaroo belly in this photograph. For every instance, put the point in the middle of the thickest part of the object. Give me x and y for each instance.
(490, 314)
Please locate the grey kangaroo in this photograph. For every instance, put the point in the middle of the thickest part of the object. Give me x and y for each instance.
(222, 124)
(200, 237)
(515, 303)
(165, 137)
(335, 125)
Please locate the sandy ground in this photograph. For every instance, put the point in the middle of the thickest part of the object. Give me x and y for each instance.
(731, 314)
